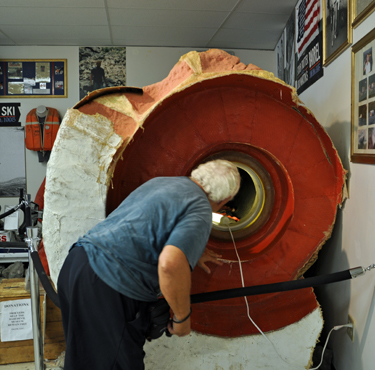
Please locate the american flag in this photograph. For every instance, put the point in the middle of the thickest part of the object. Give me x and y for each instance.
(307, 21)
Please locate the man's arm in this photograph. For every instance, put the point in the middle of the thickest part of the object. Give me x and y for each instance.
(175, 283)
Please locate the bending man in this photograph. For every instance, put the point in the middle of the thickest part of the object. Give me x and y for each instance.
(145, 248)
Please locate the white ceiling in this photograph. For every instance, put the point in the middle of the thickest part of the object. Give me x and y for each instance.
(238, 24)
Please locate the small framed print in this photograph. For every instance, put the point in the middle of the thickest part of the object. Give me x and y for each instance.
(361, 10)
(363, 100)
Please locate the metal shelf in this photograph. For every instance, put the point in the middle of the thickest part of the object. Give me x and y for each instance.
(14, 257)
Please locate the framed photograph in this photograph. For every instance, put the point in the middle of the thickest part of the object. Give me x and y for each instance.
(33, 78)
(363, 100)
(289, 57)
(101, 67)
(361, 9)
(280, 58)
(12, 165)
(337, 28)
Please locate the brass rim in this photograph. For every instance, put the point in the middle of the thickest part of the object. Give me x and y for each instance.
(254, 201)
(248, 203)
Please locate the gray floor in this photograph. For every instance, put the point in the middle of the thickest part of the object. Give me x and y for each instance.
(24, 366)
(28, 366)
(57, 364)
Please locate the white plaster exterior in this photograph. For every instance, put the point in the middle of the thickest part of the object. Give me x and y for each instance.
(76, 183)
(294, 345)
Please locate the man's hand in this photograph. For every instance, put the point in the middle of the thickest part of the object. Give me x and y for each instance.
(181, 329)
(209, 256)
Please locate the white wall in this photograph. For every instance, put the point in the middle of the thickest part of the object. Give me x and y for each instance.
(36, 171)
(145, 66)
(352, 242)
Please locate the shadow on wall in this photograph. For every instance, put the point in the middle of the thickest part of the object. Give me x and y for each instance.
(340, 134)
(368, 325)
(333, 298)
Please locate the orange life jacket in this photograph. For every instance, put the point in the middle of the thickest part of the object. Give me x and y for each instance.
(34, 140)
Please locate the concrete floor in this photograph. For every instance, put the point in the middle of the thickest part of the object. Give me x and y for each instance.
(24, 366)
(57, 364)
(29, 366)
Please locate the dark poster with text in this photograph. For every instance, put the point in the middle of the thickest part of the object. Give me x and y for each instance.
(10, 114)
(310, 64)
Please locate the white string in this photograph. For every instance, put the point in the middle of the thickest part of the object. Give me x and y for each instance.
(247, 303)
(260, 331)
(324, 348)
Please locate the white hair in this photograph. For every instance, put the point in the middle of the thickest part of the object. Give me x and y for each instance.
(219, 178)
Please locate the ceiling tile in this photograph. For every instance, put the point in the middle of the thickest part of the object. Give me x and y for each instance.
(235, 38)
(169, 18)
(53, 3)
(256, 21)
(5, 40)
(217, 5)
(56, 32)
(67, 42)
(162, 36)
(42, 16)
(267, 6)
(192, 23)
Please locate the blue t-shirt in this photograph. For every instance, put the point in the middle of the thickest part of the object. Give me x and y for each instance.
(124, 249)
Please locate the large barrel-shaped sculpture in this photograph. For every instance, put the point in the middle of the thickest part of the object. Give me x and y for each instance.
(210, 106)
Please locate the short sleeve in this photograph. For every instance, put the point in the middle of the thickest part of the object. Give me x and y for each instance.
(191, 234)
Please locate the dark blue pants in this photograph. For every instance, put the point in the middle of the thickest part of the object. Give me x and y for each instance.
(104, 330)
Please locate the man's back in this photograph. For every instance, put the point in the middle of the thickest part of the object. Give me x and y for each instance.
(124, 248)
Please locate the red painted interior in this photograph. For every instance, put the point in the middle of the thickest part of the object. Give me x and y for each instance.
(245, 111)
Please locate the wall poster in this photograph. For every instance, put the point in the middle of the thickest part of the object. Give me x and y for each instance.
(10, 114)
(101, 67)
(363, 100)
(309, 47)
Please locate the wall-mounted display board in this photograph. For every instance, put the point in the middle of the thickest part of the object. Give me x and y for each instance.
(33, 78)
(363, 100)
(361, 10)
